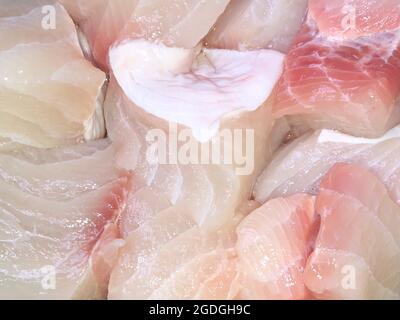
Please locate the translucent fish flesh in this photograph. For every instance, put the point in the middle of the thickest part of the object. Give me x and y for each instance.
(356, 253)
(273, 245)
(181, 23)
(50, 94)
(58, 211)
(301, 164)
(257, 24)
(352, 85)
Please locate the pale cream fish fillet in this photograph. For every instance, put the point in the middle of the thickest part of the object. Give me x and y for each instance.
(181, 23)
(300, 165)
(58, 214)
(190, 263)
(50, 94)
(258, 24)
(188, 206)
(357, 251)
(195, 264)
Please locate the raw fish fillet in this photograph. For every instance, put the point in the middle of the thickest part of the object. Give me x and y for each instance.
(101, 22)
(185, 86)
(300, 165)
(194, 264)
(273, 244)
(58, 214)
(355, 18)
(181, 23)
(50, 95)
(357, 251)
(191, 262)
(203, 87)
(349, 85)
(257, 24)
(209, 106)
(219, 182)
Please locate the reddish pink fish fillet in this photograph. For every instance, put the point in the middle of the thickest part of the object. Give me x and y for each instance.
(354, 18)
(273, 244)
(357, 251)
(351, 85)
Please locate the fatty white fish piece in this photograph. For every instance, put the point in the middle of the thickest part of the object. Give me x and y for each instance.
(192, 88)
